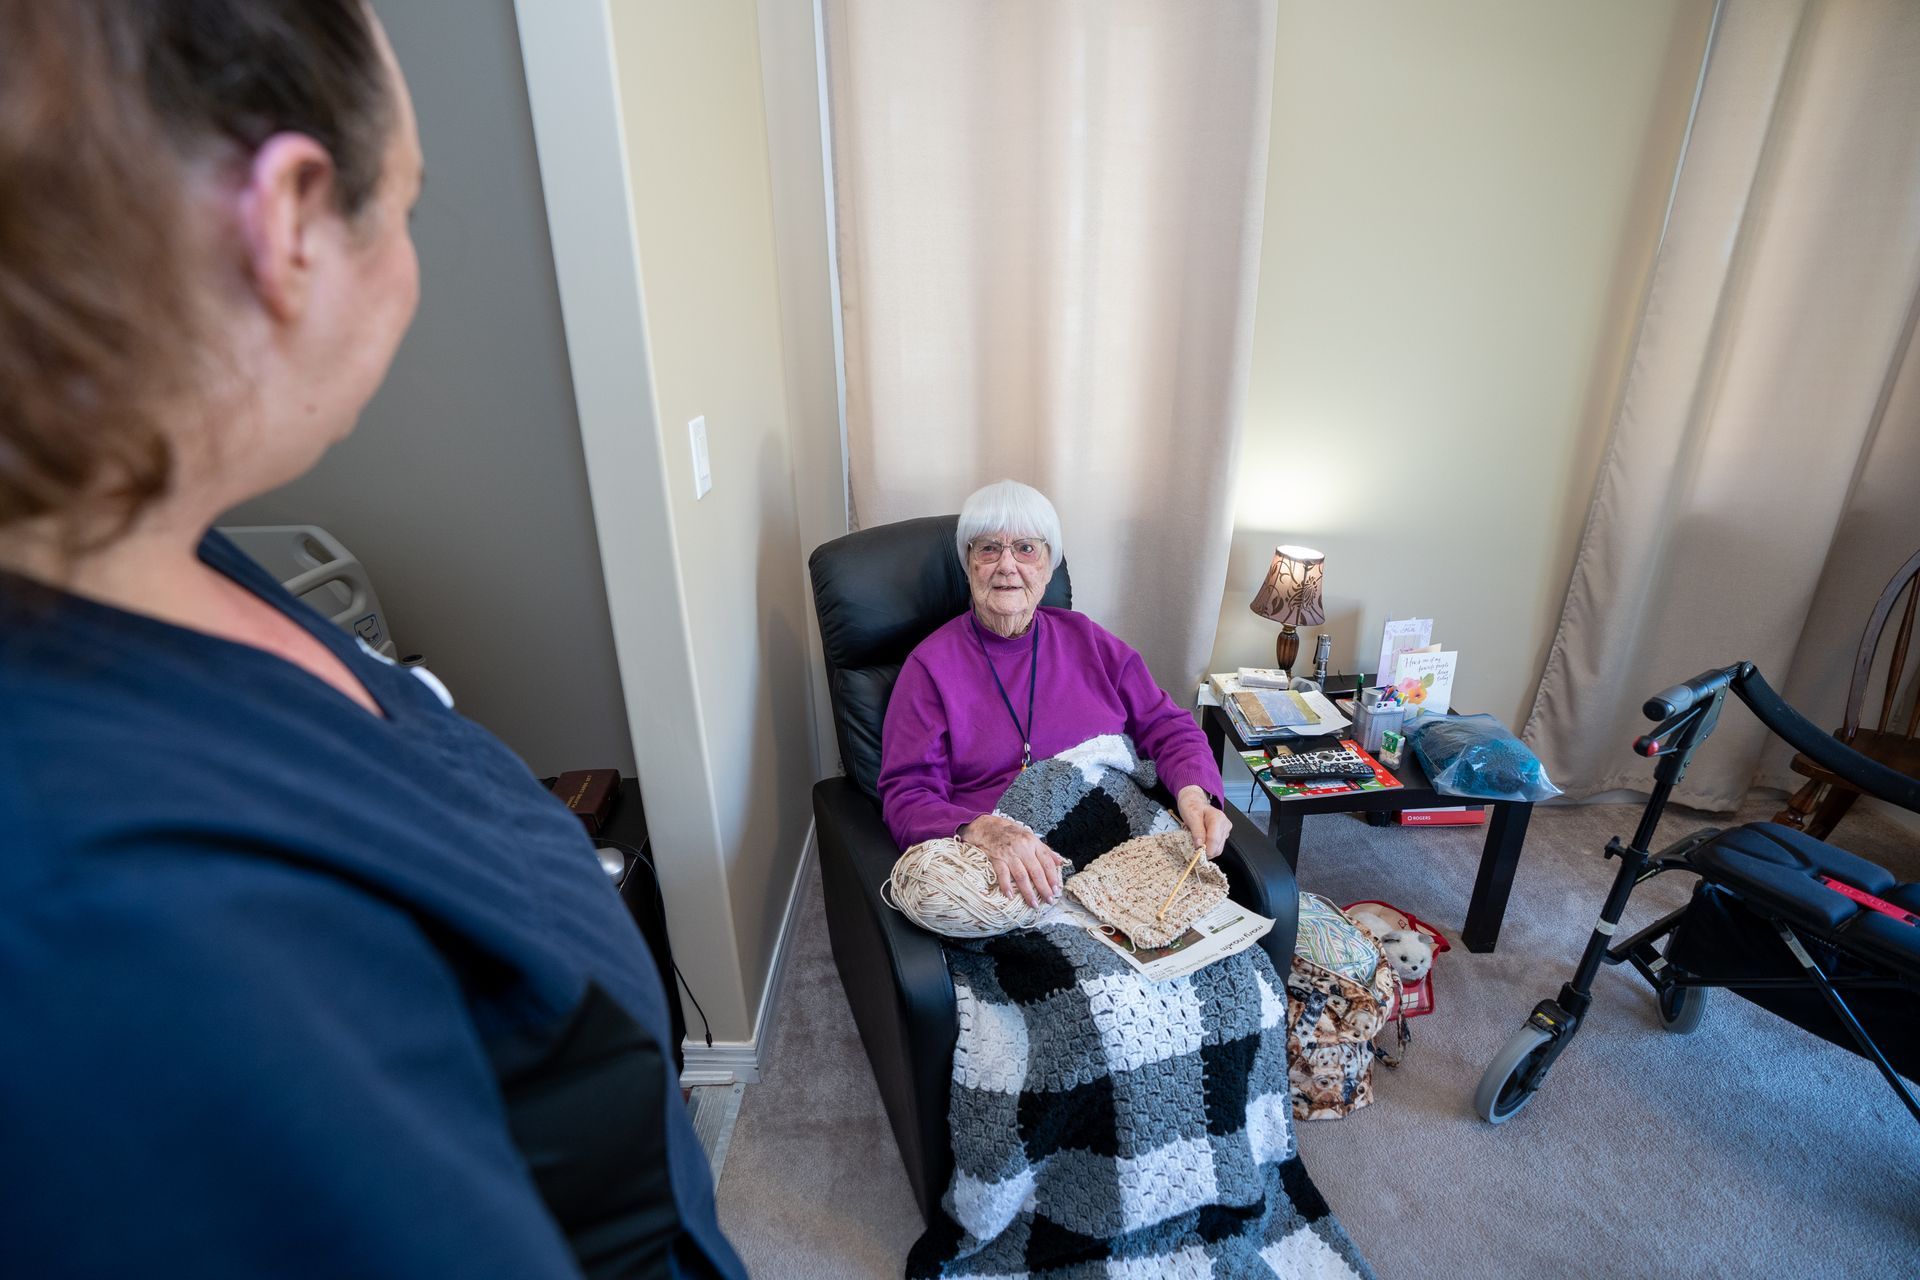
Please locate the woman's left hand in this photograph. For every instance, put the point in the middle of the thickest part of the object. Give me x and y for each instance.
(1207, 825)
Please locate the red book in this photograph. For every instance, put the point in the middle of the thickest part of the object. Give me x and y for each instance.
(1462, 816)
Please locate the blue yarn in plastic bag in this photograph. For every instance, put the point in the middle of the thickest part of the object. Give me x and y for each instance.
(1478, 758)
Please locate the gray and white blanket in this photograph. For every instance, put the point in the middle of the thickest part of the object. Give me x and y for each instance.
(1108, 1126)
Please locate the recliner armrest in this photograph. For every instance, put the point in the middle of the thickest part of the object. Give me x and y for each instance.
(1259, 878)
(896, 981)
(868, 847)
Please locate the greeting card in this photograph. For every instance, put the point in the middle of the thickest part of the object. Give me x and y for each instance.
(1424, 682)
(1400, 636)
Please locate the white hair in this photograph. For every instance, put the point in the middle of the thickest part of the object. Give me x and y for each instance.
(1009, 507)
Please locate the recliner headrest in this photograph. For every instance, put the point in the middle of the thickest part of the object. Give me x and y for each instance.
(879, 592)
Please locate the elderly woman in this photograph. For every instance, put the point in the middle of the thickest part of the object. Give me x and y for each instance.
(1008, 683)
(302, 974)
(1093, 1114)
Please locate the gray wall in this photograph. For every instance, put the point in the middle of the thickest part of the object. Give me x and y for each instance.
(464, 489)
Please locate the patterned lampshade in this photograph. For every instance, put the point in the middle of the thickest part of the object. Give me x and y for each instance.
(1291, 593)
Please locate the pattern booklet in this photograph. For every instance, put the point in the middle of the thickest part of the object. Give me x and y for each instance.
(1266, 709)
(1226, 930)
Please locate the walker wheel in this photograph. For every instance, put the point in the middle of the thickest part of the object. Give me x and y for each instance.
(1681, 1008)
(1512, 1076)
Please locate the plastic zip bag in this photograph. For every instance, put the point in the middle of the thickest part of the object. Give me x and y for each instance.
(1476, 757)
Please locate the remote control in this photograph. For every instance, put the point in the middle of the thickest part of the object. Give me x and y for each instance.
(1305, 766)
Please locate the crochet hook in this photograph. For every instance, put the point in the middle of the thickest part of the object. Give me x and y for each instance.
(1198, 849)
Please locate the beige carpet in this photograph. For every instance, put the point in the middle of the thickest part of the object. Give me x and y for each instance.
(1749, 1148)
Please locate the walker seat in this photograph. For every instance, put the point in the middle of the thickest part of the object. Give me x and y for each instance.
(1777, 871)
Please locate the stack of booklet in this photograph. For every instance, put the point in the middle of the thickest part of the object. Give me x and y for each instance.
(1271, 715)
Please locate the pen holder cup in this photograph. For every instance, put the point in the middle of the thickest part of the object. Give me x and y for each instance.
(1371, 724)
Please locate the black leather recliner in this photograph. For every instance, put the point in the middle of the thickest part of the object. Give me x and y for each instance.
(879, 593)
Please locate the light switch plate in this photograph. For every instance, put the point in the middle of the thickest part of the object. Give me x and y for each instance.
(702, 468)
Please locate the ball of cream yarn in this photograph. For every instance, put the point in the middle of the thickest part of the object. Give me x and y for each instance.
(946, 886)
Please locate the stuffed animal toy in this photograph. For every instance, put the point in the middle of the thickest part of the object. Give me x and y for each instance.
(1409, 952)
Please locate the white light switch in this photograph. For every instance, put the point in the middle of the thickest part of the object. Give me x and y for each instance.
(702, 469)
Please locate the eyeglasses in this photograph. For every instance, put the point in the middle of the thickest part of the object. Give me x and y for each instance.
(989, 550)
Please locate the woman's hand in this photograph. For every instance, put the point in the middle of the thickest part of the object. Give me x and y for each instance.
(1022, 864)
(1207, 825)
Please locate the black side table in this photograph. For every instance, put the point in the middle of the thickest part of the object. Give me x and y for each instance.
(639, 888)
(1506, 821)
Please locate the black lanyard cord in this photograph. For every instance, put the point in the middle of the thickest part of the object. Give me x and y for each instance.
(1033, 671)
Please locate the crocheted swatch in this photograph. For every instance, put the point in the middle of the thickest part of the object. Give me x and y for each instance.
(1126, 886)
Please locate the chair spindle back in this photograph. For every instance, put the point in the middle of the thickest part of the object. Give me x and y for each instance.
(1906, 582)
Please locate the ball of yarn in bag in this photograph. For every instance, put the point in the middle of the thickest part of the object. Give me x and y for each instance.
(1497, 767)
(946, 886)
(1479, 758)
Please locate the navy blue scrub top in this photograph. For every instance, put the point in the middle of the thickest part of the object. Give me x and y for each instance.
(288, 989)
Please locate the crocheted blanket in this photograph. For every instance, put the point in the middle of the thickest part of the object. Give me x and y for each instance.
(1088, 798)
(1105, 1125)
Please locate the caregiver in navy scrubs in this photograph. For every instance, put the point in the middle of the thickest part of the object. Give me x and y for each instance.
(301, 973)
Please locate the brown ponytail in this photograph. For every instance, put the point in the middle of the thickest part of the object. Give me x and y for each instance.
(103, 104)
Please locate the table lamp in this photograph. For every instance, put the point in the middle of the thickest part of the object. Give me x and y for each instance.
(1290, 596)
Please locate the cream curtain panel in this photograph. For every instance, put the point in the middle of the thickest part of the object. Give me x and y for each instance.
(1048, 230)
(1762, 480)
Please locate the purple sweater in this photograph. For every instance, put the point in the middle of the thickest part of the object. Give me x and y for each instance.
(949, 748)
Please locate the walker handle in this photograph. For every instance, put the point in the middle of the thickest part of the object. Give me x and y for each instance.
(1671, 702)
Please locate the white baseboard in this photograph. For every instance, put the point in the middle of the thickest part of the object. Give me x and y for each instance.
(727, 1062)
(738, 1061)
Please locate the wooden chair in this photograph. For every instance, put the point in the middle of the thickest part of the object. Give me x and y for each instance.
(1819, 805)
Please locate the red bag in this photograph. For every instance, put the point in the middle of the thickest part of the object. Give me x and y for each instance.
(1416, 998)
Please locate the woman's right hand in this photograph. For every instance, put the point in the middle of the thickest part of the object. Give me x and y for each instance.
(1021, 862)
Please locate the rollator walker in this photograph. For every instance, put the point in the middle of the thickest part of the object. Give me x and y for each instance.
(1824, 938)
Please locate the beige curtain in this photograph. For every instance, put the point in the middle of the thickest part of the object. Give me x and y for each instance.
(1049, 219)
(1762, 481)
